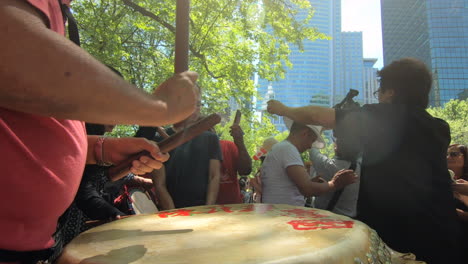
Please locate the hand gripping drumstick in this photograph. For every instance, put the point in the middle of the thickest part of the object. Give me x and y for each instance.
(168, 144)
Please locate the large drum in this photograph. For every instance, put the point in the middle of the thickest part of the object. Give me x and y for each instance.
(242, 233)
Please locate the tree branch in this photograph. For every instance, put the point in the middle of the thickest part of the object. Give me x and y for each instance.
(171, 28)
(147, 13)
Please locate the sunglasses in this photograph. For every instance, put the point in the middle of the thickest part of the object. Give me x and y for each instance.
(454, 154)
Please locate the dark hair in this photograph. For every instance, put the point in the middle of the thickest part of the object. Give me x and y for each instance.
(410, 79)
(463, 150)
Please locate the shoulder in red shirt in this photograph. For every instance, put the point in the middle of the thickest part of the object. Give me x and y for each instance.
(42, 161)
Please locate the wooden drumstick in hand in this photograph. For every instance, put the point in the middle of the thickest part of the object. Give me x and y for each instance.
(237, 118)
(168, 144)
(162, 132)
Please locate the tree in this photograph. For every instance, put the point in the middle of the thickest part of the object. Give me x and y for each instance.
(455, 113)
(230, 40)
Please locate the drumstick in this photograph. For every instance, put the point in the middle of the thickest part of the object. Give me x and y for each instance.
(237, 118)
(162, 132)
(182, 36)
(168, 144)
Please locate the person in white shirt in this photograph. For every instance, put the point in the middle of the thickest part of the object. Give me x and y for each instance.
(284, 177)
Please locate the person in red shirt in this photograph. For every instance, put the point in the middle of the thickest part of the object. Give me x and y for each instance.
(47, 84)
(236, 160)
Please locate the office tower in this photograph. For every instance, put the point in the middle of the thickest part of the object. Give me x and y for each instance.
(311, 78)
(349, 66)
(435, 31)
(370, 82)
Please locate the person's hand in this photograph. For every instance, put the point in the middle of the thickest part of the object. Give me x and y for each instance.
(460, 186)
(117, 150)
(276, 107)
(180, 94)
(236, 132)
(343, 178)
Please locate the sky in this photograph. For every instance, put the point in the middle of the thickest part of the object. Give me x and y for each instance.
(364, 15)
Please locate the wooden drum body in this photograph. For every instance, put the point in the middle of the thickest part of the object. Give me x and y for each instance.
(241, 233)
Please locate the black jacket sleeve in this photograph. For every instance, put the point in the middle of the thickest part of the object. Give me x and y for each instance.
(91, 202)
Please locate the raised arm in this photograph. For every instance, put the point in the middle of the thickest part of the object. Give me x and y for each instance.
(244, 163)
(315, 115)
(44, 73)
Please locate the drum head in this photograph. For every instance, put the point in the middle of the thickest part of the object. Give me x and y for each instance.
(243, 233)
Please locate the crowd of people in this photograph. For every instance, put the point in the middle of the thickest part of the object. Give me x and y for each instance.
(405, 190)
(393, 167)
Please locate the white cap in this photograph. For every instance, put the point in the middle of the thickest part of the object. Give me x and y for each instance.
(268, 143)
(319, 142)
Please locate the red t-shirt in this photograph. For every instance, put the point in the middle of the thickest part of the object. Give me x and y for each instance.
(229, 191)
(41, 161)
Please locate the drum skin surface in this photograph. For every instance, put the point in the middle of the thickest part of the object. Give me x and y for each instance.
(241, 233)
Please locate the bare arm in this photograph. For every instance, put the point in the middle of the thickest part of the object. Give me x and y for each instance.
(315, 115)
(308, 188)
(159, 182)
(214, 178)
(244, 163)
(46, 74)
(256, 182)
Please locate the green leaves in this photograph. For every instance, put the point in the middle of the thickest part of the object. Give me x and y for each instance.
(230, 41)
(455, 113)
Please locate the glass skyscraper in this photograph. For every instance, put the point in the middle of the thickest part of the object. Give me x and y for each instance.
(435, 31)
(311, 78)
(326, 70)
(370, 82)
(349, 66)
